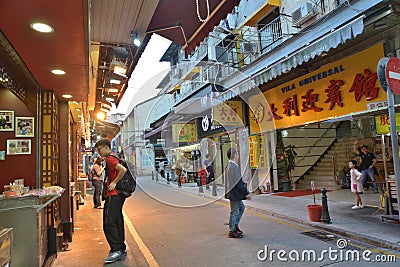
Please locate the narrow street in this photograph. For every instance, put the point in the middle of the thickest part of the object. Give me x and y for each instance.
(159, 233)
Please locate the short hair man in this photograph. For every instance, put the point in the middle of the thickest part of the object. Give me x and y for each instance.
(368, 161)
(113, 220)
(235, 191)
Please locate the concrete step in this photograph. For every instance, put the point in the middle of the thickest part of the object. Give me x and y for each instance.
(320, 172)
(318, 177)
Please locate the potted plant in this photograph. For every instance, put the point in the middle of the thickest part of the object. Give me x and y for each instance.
(287, 161)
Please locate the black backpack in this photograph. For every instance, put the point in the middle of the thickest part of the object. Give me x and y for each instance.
(127, 185)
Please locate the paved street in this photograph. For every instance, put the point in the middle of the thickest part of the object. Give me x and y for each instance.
(161, 233)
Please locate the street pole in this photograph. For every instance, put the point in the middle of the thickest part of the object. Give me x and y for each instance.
(394, 139)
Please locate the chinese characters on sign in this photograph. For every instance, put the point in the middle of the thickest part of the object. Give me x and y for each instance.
(382, 123)
(341, 88)
(228, 113)
(258, 151)
(184, 132)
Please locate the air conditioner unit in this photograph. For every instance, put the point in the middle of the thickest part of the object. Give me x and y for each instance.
(248, 48)
(303, 14)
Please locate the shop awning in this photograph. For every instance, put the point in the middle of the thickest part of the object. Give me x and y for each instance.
(155, 131)
(319, 38)
(170, 13)
(315, 48)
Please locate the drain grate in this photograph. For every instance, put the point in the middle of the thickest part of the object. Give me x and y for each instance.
(332, 239)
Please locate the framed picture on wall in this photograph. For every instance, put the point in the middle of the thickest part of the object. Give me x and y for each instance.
(18, 146)
(24, 126)
(6, 120)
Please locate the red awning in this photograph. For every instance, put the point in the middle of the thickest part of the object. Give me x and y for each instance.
(177, 12)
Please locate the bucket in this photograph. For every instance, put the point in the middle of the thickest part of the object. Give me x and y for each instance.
(314, 212)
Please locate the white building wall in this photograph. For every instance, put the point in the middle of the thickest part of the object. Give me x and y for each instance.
(137, 122)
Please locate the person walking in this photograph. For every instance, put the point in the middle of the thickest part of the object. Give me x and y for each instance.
(209, 169)
(367, 166)
(235, 191)
(356, 185)
(113, 219)
(97, 173)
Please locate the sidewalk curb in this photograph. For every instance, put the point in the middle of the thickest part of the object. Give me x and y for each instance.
(349, 234)
(353, 235)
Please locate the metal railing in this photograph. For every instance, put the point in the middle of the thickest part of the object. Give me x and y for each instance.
(335, 161)
(332, 126)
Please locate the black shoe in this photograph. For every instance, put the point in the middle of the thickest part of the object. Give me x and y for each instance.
(238, 230)
(235, 234)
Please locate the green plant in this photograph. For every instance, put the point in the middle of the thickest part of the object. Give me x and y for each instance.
(287, 156)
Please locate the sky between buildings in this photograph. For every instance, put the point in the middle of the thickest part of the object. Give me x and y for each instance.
(146, 76)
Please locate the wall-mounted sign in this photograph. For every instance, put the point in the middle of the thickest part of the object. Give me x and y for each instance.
(228, 113)
(341, 88)
(184, 132)
(382, 123)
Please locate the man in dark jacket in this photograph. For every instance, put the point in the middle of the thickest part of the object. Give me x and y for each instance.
(235, 191)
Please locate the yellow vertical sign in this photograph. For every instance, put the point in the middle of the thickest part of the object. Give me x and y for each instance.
(253, 153)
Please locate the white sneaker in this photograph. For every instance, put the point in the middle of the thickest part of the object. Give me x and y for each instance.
(361, 206)
(355, 207)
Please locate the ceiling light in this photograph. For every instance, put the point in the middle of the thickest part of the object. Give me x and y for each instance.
(58, 72)
(78, 109)
(135, 39)
(115, 81)
(101, 115)
(109, 99)
(67, 96)
(119, 70)
(112, 90)
(41, 27)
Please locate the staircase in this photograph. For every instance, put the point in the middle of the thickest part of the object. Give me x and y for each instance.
(323, 171)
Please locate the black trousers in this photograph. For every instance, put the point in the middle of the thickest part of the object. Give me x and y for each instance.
(98, 184)
(113, 222)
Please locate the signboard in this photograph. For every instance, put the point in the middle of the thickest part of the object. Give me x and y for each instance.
(184, 132)
(393, 74)
(341, 88)
(228, 113)
(253, 151)
(382, 123)
(206, 127)
(258, 151)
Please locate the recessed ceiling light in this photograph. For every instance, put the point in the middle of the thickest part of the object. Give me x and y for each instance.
(58, 72)
(109, 99)
(119, 70)
(41, 27)
(112, 90)
(67, 96)
(78, 109)
(101, 116)
(115, 81)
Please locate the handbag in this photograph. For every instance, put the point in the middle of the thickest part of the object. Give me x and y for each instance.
(355, 186)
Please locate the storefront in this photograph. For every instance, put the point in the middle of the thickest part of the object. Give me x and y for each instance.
(220, 129)
(342, 90)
